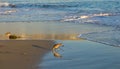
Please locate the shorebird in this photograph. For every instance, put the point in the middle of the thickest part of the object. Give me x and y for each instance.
(54, 48)
(12, 36)
(57, 46)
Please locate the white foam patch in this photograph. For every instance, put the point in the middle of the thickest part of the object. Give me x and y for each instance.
(85, 18)
(6, 4)
(7, 12)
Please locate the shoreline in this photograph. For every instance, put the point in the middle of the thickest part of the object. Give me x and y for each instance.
(23, 54)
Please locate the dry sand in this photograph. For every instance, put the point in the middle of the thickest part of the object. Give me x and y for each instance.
(23, 54)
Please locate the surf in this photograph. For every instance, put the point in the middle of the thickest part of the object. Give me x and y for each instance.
(6, 4)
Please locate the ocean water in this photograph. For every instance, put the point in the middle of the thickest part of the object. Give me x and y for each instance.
(91, 14)
(93, 20)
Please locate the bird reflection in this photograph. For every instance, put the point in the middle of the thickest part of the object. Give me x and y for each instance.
(55, 50)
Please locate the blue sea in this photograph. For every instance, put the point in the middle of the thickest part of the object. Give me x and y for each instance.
(100, 18)
(92, 20)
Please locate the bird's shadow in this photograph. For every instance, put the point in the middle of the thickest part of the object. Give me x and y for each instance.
(37, 46)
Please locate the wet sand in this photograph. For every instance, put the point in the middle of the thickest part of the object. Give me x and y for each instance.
(29, 52)
(23, 54)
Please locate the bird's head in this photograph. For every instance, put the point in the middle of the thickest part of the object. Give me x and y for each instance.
(60, 44)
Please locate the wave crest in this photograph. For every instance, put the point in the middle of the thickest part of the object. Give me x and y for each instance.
(85, 18)
(6, 4)
(8, 12)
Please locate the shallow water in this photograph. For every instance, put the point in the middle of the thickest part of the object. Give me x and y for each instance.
(83, 54)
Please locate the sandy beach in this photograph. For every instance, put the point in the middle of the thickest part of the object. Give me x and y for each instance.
(23, 54)
(33, 51)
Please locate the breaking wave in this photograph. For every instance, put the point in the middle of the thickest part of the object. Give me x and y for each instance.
(7, 12)
(6, 4)
(73, 18)
(86, 18)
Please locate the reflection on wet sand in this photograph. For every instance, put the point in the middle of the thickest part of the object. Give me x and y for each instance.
(56, 36)
(45, 36)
